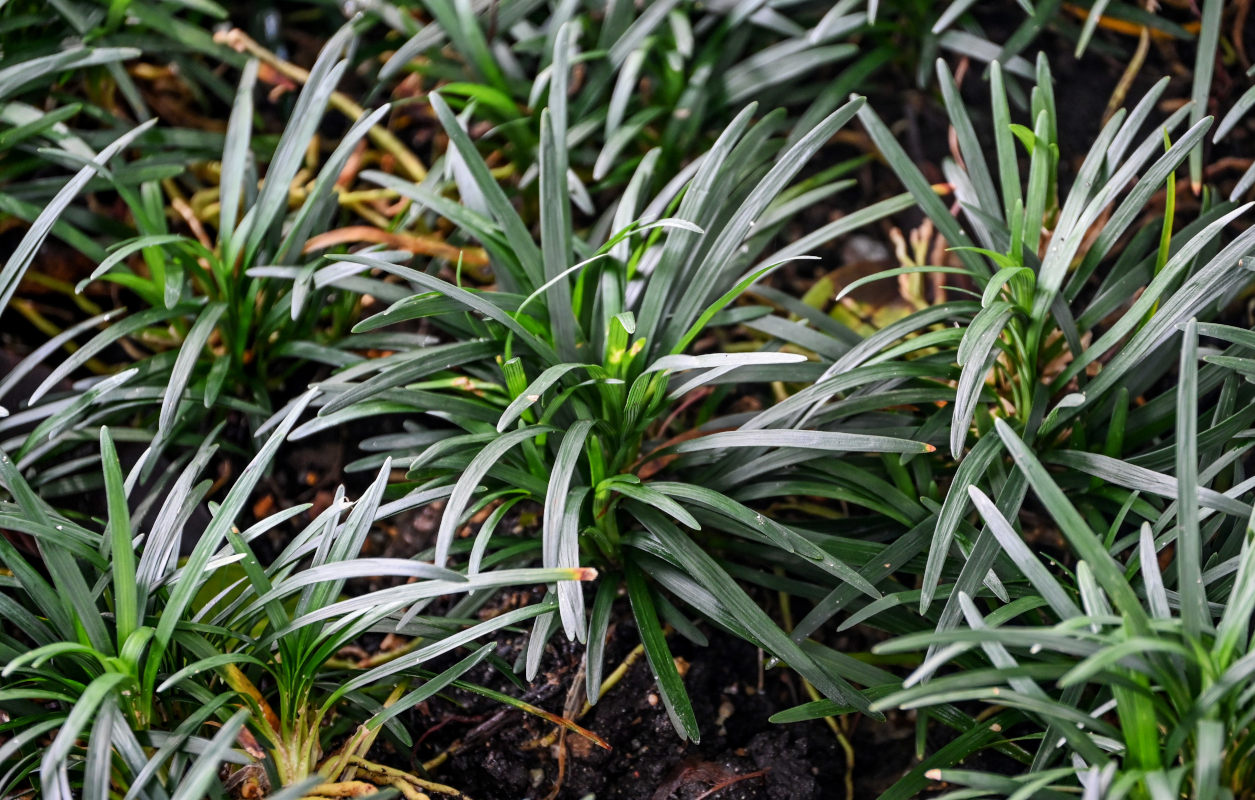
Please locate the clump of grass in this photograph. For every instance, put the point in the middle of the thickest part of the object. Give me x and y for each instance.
(565, 378)
(120, 643)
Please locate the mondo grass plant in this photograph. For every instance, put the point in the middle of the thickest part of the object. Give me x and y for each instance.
(1049, 286)
(149, 671)
(559, 385)
(1130, 679)
(1073, 315)
(223, 324)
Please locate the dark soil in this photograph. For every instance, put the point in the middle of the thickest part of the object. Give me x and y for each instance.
(739, 750)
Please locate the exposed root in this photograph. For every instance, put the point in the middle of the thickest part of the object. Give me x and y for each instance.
(389, 776)
(341, 789)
